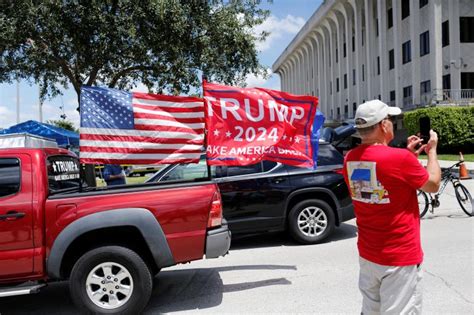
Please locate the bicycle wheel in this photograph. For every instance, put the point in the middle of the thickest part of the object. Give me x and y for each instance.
(464, 198)
(423, 202)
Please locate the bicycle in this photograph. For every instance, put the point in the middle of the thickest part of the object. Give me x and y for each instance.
(425, 200)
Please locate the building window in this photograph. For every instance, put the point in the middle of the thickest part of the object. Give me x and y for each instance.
(377, 27)
(380, 97)
(344, 50)
(407, 95)
(445, 33)
(406, 52)
(466, 25)
(330, 87)
(425, 87)
(353, 76)
(389, 18)
(424, 43)
(354, 107)
(363, 73)
(345, 81)
(337, 58)
(338, 113)
(362, 37)
(405, 8)
(392, 96)
(467, 80)
(346, 111)
(378, 65)
(447, 82)
(337, 85)
(353, 43)
(423, 3)
(391, 59)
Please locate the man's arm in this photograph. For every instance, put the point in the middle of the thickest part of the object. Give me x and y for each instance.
(432, 185)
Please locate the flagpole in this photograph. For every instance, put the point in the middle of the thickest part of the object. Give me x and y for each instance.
(203, 78)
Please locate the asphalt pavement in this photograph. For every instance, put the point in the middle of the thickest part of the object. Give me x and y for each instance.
(271, 274)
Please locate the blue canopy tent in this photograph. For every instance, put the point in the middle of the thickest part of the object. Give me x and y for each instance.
(63, 137)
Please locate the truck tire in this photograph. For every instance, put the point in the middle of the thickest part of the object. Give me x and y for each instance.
(111, 280)
(311, 221)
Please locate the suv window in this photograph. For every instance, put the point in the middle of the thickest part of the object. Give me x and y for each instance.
(63, 172)
(189, 171)
(9, 177)
(328, 155)
(244, 170)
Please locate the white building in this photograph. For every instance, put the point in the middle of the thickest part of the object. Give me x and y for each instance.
(408, 53)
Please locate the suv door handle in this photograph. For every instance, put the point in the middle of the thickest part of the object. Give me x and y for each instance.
(12, 215)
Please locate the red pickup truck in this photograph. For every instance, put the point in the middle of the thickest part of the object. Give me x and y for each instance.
(109, 242)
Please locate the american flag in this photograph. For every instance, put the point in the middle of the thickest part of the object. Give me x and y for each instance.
(119, 127)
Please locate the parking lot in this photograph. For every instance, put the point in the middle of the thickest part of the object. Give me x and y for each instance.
(272, 274)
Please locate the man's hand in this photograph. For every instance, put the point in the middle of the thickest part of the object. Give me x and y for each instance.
(413, 144)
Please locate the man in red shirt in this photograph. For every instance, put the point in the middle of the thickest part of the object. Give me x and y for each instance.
(383, 183)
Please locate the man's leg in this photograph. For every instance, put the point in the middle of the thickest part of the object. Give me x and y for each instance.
(400, 291)
(369, 286)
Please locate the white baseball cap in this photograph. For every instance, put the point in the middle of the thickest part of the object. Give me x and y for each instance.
(373, 112)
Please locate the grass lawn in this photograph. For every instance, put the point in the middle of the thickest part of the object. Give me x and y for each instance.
(452, 157)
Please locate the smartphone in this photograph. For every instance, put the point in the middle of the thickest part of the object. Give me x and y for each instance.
(425, 127)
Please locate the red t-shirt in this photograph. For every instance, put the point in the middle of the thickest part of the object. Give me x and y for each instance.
(383, 183)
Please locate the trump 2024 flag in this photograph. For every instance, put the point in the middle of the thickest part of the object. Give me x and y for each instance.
(119, 127)
(247, 125)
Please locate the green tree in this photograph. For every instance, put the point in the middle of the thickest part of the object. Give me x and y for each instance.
(63, 123)
(163, 44)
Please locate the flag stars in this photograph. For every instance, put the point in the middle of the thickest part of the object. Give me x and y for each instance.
(216, 132)
(228, 134)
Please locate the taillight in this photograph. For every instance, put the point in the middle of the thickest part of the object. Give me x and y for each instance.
(215, 215)
(338, 171)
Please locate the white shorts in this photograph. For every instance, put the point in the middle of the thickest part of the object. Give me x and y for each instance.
(390, 289)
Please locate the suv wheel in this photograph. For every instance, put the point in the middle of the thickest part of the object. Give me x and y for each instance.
(111, 279)
(311, 221)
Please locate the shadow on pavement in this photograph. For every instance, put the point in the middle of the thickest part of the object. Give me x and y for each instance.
(199, 289)
(344, 231)
(53, 299)
(450, 216)
(174, 290)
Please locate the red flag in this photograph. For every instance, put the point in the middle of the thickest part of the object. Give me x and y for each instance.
(247, 125)
(119, 127)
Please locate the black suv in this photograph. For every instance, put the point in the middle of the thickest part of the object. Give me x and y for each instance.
(270, 196)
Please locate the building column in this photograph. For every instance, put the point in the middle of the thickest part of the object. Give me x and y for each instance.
(357, 65)
(317, 62)
(436, 60)
(382, 13)
(330, 65)
(415, 52)
(397, 51)
(338, 70)
(454, 44)
(306, 66)
(324, 88)
(368, 39)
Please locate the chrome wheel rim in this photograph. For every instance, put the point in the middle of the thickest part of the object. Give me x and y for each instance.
(109, 285)
(312, 221)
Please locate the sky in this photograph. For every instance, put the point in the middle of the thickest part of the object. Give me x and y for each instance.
(285, 20)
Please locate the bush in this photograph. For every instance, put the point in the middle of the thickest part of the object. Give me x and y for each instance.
(454, 125)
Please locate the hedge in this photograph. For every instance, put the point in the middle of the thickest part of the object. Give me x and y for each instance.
(454, 125)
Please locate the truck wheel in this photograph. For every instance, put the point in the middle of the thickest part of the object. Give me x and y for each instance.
(111, 279)
(311, 221)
